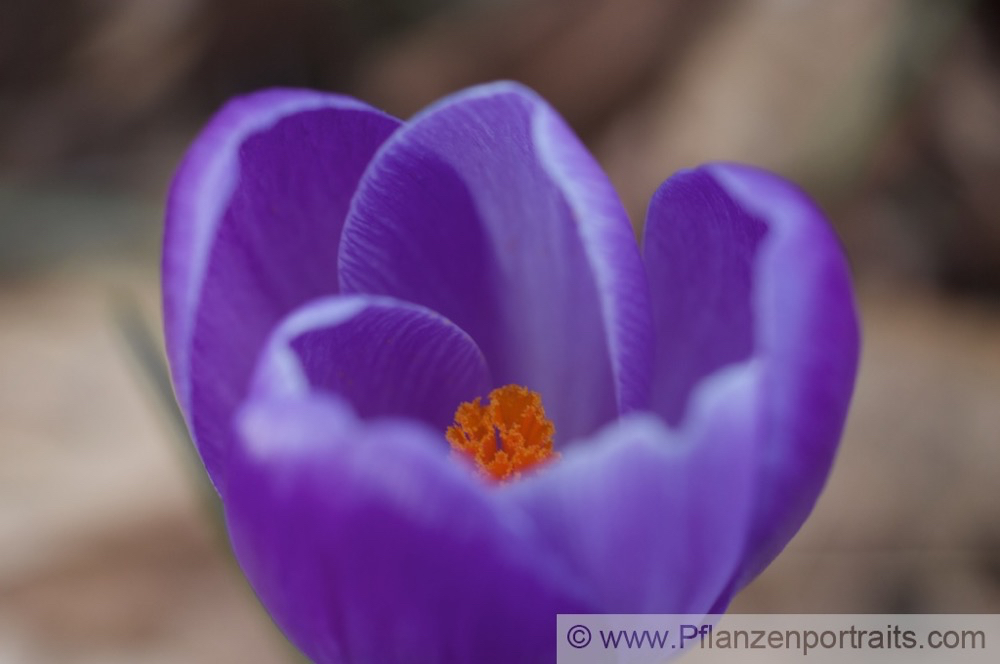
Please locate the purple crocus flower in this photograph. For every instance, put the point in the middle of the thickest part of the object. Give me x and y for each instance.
(337, 283)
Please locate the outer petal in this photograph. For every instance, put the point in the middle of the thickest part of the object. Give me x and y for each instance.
(367, 543)
(252, 230)
(742, 265)
(385, 357)
(654, 519)
(487, 209)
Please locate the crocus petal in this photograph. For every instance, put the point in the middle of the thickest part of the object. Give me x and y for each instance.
(385, 357)
(367, 543)
(655, 519)
(742, 265)
(487, 209)
(252, 230)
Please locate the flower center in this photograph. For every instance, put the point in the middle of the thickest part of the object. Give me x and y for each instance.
(509, 435)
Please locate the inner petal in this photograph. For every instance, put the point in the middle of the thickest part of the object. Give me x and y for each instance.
(385, 357)
(487, 209)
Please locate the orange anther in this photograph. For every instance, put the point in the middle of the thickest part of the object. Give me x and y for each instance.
(505, 437)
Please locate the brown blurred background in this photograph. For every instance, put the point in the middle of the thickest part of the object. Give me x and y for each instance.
(887, 111)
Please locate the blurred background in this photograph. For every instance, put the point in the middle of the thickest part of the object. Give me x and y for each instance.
(887, 111)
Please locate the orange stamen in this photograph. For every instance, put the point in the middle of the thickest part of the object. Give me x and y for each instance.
(509, 435)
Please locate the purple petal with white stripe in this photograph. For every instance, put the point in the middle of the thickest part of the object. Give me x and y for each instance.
(252, 230)
(487, 209)
(742, 267)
